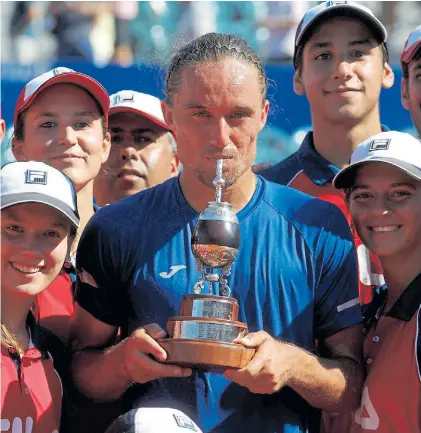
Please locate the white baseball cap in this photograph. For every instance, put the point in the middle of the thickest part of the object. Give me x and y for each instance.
(411, 46)
(331, 9)
(61, 75)
(153, 420)
(141, 103)
(392, 147)
(36, 182)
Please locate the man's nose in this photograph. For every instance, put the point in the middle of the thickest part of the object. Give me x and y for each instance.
(221, 134)
(128, 152)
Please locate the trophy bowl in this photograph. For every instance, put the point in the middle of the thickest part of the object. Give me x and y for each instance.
(202, 335)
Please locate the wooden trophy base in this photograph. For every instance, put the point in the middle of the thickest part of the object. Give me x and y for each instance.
(201, 336)
(212, 356)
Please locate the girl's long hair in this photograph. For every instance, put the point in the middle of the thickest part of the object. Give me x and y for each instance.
(9, 341)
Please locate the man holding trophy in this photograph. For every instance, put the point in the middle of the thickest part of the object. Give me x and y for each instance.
(222, 283)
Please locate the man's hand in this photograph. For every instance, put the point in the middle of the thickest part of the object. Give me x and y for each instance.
(270, 368)
(144, 357)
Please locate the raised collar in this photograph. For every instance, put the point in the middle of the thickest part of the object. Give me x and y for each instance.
(408, 303)
(318, 169)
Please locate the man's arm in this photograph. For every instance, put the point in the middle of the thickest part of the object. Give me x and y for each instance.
(332, 382)
(103, 372)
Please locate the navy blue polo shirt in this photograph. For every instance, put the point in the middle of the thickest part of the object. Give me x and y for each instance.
(295, 277)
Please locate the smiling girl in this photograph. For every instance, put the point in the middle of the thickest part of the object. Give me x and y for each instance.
(61, 119)
(39, 219)
(383, 190)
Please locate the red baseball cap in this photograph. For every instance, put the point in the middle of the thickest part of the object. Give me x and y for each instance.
(411, 46)
(62, 75)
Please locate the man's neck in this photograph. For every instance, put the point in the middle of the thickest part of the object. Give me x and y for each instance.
(198, 195)
(336, 141)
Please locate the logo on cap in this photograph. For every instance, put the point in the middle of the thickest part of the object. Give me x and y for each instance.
(335, 3)
(36, 177)
(121, 98)
(380, 144)
(185, 422)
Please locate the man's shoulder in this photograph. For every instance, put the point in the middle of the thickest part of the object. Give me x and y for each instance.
(304, 210)
(284, 171)
(289, 201)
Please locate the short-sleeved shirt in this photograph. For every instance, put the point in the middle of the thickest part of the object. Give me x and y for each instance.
(295, 277)
(391, 398)
(307, 171)
(31, 388)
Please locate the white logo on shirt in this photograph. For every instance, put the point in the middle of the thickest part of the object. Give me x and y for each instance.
(17, 425)
(367, 277)
(173, 269)
(372, 421)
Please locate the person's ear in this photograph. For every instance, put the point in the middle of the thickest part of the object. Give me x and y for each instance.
(168, 114)
(175, 165)
(388, 76)
(405, 93)
(264, 114)
(18, 149)
(106, 147)
(298, 83)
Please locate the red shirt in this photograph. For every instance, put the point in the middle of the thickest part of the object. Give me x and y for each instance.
(54, 306)
(31, 390)
(391, 398)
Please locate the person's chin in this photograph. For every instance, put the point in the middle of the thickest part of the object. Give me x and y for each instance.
(78, 175)
(384, 249)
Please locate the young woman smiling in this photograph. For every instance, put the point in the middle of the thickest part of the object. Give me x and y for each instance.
(383, 190)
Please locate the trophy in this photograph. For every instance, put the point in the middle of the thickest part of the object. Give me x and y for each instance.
(202, 335)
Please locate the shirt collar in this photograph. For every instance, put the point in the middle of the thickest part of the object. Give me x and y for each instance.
(408, 303)
(318, 169)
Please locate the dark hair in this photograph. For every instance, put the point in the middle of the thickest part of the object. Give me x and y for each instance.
(212, 47)
(405, 66)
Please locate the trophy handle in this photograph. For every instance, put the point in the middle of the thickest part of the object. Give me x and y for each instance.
(199, 286)
(225, 272)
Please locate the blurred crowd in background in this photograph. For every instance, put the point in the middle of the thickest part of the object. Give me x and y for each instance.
(130, 32)
(127, 45)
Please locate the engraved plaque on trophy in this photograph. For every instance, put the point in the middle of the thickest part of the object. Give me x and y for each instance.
(202, 335)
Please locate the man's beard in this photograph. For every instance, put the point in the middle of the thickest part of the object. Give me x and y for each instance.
(230, 175)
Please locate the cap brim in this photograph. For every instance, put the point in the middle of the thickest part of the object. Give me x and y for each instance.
(349, 11)
(156, 120)
(92, 86)
(408, 55)
(8, 200)
(346, 177)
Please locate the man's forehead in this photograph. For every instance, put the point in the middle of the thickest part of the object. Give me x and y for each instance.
(210, 83)
(349, 25)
